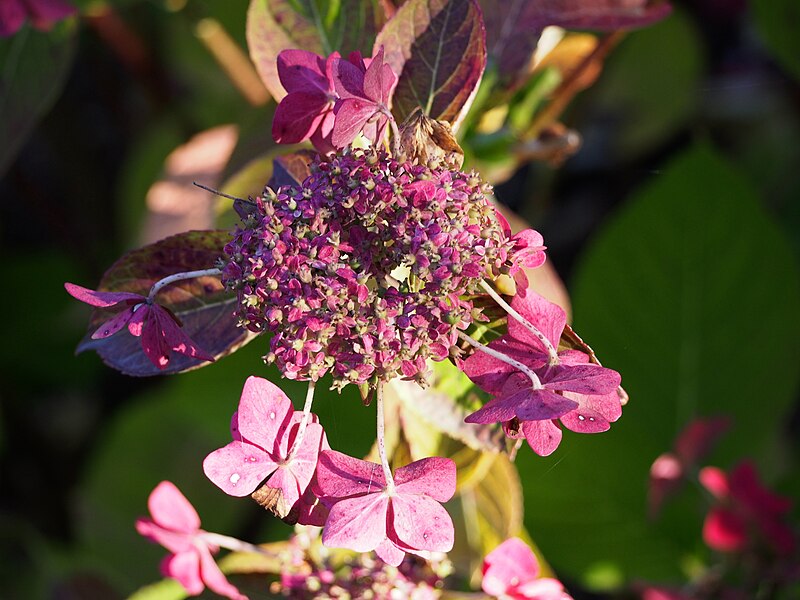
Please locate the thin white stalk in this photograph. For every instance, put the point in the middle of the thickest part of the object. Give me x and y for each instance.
(381, 435)
(551, 351)
(231, 543)
(160, 284)
(301, 430)
(537, 383)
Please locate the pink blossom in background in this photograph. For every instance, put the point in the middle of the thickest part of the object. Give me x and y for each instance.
(174, 524)
(512, 571)
(264, 433)
(365, 515)
(160, 331)
(746, 513)
(43, 14)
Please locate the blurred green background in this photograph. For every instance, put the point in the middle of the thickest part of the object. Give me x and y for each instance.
(676, 228)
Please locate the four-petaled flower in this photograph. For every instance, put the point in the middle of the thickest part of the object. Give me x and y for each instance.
(747, 513)
(160, 331)
(264, 434)
(176, 526)
(42, 14)
(366, 514)
(511, 571)
(582, 395)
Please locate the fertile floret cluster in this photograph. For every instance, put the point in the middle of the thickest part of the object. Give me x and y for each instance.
(362, 270)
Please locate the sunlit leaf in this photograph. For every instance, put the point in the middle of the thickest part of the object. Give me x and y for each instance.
(314, 25)
(438, 48)
(696, 319)
(33, 68)
(202, 304)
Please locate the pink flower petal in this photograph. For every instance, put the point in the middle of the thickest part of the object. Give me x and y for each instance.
(215, 579)
(170, 509)
(46, 12)
(298, 115)
(583, 379)
(545, 588)
(302, 71)
(540, 405)
(171, 540)
(421, 523)
(264, 412)
(341, 476)
(310, 510)
(723, 530)
(698, 437)
(510, 564)
(114, 324)
(357, 523)
(294, 477)
(389, 553)
(604, 409)
(543, 436)
(185, 567)
(101, 299)
(351, 116)
(530, 249)
(12, 17)
(715, 481)
(238, 468)
(175, 337)
(546, 316)
(434, 477)
(348, 79)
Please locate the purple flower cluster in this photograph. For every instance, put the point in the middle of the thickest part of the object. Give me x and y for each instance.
(362, 270)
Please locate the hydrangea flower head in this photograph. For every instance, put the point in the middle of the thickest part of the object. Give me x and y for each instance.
(174, 524)
(512, 571)
(366, 514)
(264, 434)
(361, 270)
(159, 329)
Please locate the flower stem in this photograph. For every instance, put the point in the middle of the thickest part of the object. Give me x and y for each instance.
(551, 351)
(161, 283)
(301, 430)
(231, 543)
(381, 434)
(537, 383)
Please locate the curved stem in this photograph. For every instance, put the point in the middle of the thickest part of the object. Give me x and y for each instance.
(381, 434)
(537, 383)
(551, 351)
(161, 283)
(301, 430)
(231, 543)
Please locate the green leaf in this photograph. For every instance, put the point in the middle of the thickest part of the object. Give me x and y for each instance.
(778, 21)
(314, 25)
(438, 48)
(202, 304)
(691, 292)
(33, 69)
(166, 589)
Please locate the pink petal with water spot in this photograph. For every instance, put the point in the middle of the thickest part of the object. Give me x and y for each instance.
(264, 413)
(422, 523)
(357, 523)
(238, 468)
(113, 325)
(598, 412)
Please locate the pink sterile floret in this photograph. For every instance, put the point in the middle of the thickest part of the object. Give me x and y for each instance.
(306, 112)
(176, 526)
(160, 332)
(42, 14)
(366, 514)
(511, 571)
(583, 396)
(364, 94)
(264, 434)
(747, 512)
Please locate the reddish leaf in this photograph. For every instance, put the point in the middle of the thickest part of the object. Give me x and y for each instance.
(291, 169)
(314, 25)
(438, 48)
(513, 27)
(202, 305)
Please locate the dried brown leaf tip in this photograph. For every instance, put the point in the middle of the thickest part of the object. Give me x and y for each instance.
(429, 142)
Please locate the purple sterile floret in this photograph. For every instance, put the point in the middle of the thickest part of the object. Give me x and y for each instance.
(264, 435)
(366, 514)
(161, 334)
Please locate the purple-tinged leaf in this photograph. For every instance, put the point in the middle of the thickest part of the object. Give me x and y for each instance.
(513, 27)
(316, 26)
(202, 305)
(438, 49)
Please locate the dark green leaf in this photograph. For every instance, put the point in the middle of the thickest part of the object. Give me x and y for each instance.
(33, 68)
(202, 304)
(692, 294)
(438, 48)
(778, 21)
(314, 25)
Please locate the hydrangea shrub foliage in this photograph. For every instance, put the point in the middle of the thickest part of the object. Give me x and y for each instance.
(380, 260)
